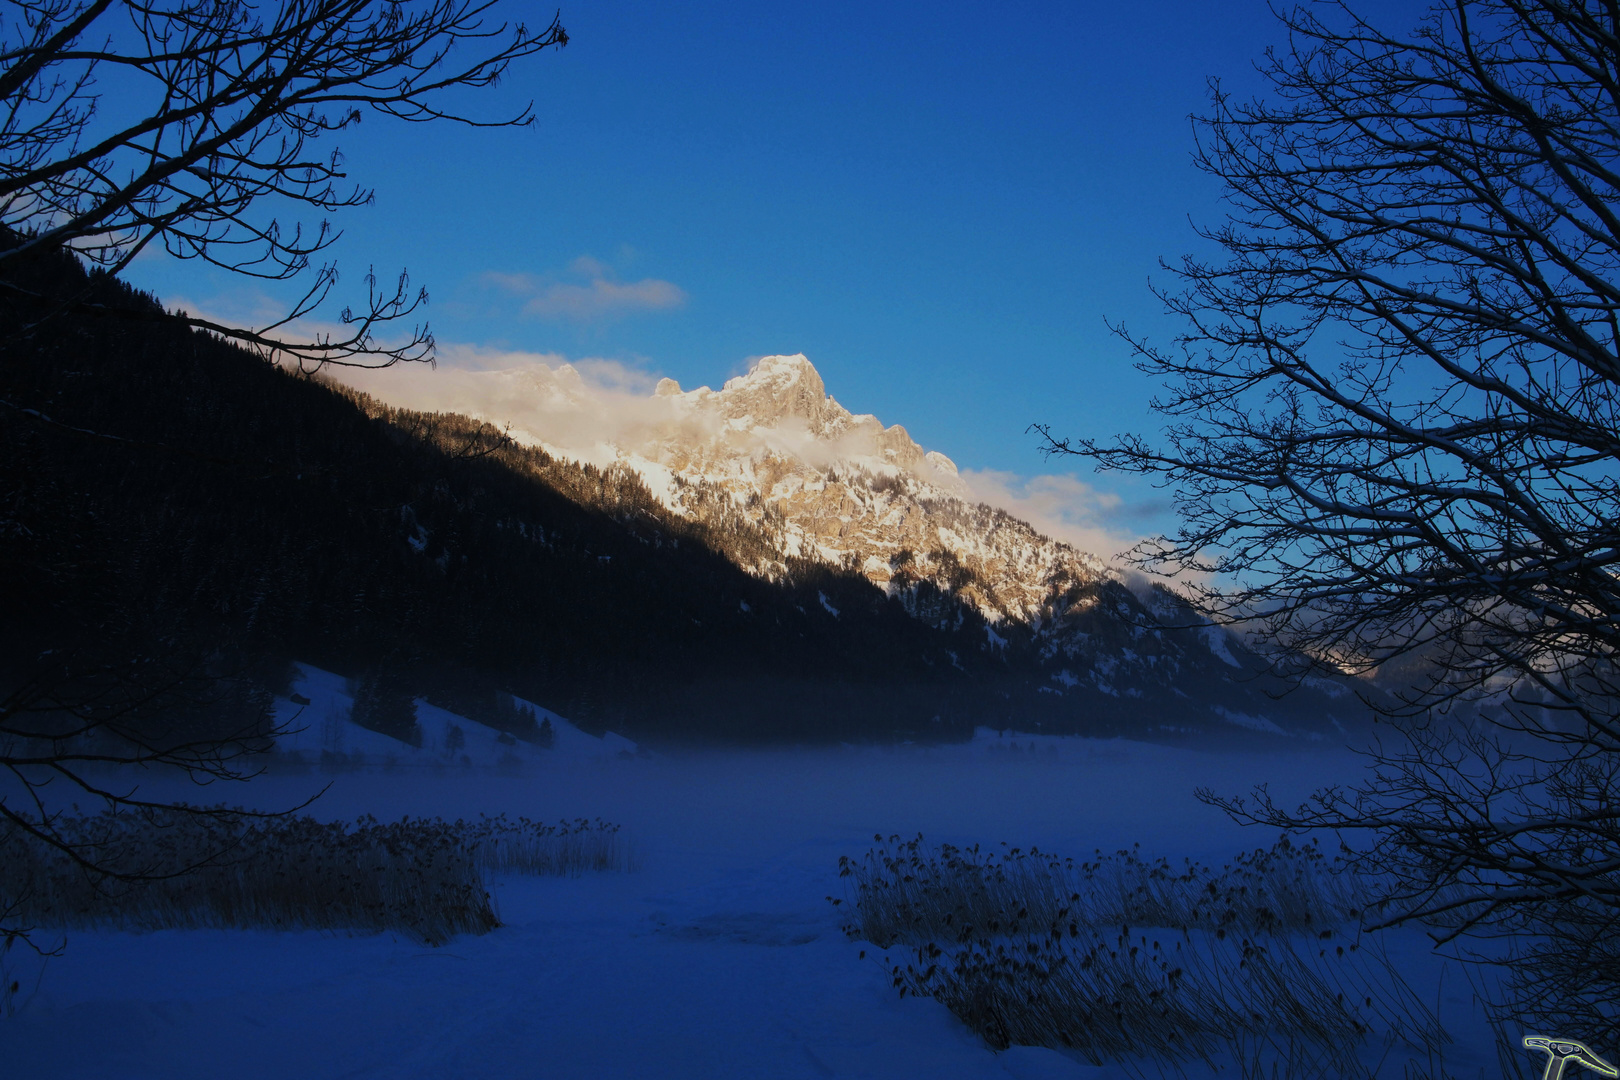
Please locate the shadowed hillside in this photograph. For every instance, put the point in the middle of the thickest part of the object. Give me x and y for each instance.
(167, 498)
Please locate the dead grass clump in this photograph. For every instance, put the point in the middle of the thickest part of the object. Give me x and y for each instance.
(1257, 964)
(905, 891)
(568, 848)
(187, 869)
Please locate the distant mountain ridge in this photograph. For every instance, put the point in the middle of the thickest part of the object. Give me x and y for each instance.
(812, 480)
(171, 505)
(823, 482)
(754, 564)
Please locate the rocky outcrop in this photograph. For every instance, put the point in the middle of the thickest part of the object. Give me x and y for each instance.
(844, 488)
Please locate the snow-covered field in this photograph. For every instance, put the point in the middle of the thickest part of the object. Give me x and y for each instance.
(717, 956)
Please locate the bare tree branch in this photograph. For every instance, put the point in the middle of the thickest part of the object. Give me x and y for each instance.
(1394, 435)
(191, 126)
(125, 124)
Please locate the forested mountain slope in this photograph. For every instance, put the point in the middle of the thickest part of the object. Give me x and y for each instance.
(167, 498)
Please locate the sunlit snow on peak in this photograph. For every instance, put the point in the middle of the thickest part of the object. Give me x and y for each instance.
(826, 483)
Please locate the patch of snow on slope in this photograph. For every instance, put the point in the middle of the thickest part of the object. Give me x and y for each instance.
(1219, 642)
(1327, 686)
(659, 479)
(324, 732)
(1253, 723)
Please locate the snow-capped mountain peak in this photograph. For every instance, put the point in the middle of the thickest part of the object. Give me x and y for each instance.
(824, 482)
(784, 396)
(771, 453)
(843, 488)
(778, 388)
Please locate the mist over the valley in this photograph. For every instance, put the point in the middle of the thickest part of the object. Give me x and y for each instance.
(1060, 659)
(717, 952)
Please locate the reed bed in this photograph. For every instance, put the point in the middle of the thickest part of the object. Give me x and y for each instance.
(1257, 965)
(907, 891)
(566, 849)
(425, 878)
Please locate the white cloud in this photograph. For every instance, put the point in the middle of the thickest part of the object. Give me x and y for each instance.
(581, 407)
(594, 408)
(467, 357)
(617, 377)
(1062, 506)
(595, 293)
(248, 306)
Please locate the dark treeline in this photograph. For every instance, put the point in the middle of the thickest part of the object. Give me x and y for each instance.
(169, 501)
(179, 519)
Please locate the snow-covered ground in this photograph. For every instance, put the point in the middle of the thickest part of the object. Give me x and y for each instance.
(718, 956)
(317, 729)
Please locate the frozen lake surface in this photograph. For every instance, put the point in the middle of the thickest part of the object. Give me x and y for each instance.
(718, 956)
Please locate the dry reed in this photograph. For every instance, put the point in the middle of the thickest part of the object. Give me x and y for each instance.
(908, 892)
(1257, 964)
(566, 849)
(180, 868)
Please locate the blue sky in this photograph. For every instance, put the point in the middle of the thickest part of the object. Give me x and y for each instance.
(940, 204)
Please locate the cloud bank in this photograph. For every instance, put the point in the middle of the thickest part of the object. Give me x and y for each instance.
(1062, 506)
(595, 294)
(592, 408)
(583, 408)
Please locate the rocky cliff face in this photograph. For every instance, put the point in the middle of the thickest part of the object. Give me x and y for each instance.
(846, 489)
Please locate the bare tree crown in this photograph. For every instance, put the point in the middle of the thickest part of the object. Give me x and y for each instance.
(1394, 415)
(1394, 432)
(191, 123)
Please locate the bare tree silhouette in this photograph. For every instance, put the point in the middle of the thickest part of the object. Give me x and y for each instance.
(1394, 436)
(188, 123)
